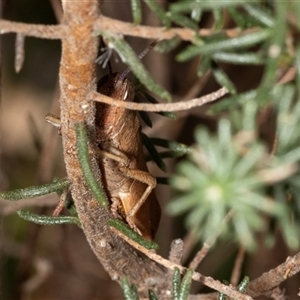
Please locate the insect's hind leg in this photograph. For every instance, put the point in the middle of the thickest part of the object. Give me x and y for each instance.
(145, 178)
(138, 175)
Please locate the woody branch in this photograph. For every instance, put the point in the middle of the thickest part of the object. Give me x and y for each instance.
(77, 80)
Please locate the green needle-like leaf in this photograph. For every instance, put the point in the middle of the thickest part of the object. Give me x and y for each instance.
(159, 12)
(185, 285)
(168, 45)
(136, 11)
(239, 58)
(35, 191)
(47, 220)
(243, 285)
(188, 6)
(126, 230)
(222, 78)
(84, 160)
(153, 152)
(130, 291)
(261, 16)
(182, 20)
(176, 284)
(250, 39)
(219, 18)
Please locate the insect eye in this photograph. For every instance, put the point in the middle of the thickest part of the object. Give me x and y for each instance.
(125, 93)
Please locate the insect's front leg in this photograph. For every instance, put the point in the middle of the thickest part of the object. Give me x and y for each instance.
(114, 154)
(54, 120)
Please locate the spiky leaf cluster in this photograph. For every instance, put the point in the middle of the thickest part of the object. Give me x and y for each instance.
(231, 171)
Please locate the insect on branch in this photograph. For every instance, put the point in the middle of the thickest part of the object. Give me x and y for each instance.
(176, 106)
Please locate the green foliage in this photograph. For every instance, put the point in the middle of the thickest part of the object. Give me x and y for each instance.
(35, 191)
(223, 172)
(176, 283)
(136, 11)
(185, 285)
(152, 295)
(168, 45)
(219, 18)
(84, 160)
(180, 288)
(159, 12)
(223, 79)
(218, 47)
(153, 152)
(182, 20)
(129, 290)
(178, 148)
(242, 287)
(223, 44)
(126, 230)
(47, 220)
(219, 177)
(260, 14)
(40, 190)
(246, 58)
(189, 6)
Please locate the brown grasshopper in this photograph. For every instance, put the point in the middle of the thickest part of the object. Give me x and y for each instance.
(125, 176)
(126, 179)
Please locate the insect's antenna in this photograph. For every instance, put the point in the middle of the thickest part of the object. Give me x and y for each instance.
(150, 47)
(141, 55)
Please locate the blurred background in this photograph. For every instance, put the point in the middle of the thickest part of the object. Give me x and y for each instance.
(55, 262)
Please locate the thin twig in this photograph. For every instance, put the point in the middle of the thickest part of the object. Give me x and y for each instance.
(116, 26)
(208, 281)
(237, 268)
(52, 32)
(177, 106)
(62, 202)
(269, 280)
(199, 256)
